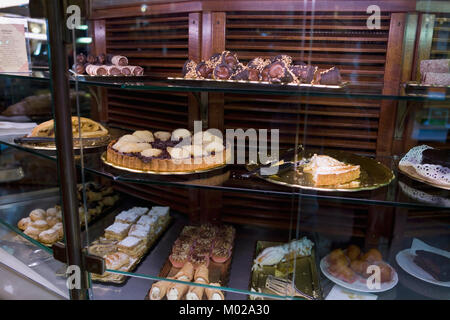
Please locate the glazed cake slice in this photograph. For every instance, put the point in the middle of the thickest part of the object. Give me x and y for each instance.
(326, 171)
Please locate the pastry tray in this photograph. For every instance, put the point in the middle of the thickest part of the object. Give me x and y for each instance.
(118, 78)
(218, 273)
(103, 158)
(373, 174)
(410, 172)
(414, 88)
(120, 278)
(258, 84)
(306, 273)
(100, 142)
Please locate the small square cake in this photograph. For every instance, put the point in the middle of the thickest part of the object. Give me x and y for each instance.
(140, 231)
(127, 217)
(159, 211)
(140, 211)
(132, 246)
(147, 220)
(117, 231)
(115, 261)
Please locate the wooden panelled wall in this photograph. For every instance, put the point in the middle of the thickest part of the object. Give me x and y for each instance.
(165, 35)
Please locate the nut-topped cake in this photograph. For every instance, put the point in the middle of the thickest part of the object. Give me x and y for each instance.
(162, 151)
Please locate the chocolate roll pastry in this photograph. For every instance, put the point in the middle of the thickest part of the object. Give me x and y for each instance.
(78, 68)
(136, 70)
(230, 59)
(125, 70)
(287, 60)
(91, 59)
(81, 58)
(215, 59)
(436, 265)
(113, 70)
(101, 58)
(204, 70)
(331, 76)
(279, 73)
(241, 74)
(189, 68)
(265, 73)
(119, 60)
(304, 74)
(222, 72)
(94, 70)
(258, 64)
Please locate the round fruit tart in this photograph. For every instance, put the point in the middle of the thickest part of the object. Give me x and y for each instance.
(161, 151)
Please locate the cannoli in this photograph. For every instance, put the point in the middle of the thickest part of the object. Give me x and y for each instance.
(214, 294)
(159, 289)
(125, 70)
(186, 273)
(119, 60)
(113, 70)
(196, 292)
(176, 291)
(136, 70)
(94, 70)
(202, 274)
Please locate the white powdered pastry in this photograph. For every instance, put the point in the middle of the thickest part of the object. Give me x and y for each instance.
(117, 227)
(214, 147)
(172, 294)
(130, 138)
(216, 296)
(129, 242)
(140, 211)
(144, 135)
(159, 211)
(151, 152)
(180, 134)
(143, 227)
(127, 216)
(178, 153)
(162, 135)
(155, 293)
(147, 220)
(191, 296)
(435, 173)
(139, 233)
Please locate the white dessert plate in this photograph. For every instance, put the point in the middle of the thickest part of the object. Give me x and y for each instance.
(405, 260)
(360, 284)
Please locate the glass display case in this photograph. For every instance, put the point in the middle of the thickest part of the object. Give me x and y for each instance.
(210, 150)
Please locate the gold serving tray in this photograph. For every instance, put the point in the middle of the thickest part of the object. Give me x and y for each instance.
(373, 174)
(120, 278)
(265, 83)
(100, 142)
(306, 273)
(410, 172)
(103, 158)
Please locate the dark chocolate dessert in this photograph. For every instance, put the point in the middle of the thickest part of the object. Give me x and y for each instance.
(222, 72)
(330, 76)
(436, 265)
(436, 157)
(203, 70)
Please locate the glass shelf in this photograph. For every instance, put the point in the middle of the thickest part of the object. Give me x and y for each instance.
(401, 192)
(151, 84)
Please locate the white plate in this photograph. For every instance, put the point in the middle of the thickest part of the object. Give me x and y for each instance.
(405, 260)
(360, 284)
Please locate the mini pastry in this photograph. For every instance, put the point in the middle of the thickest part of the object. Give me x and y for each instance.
(221, 251)
(52, 211)
(304, 73)
(113, 70)
(32, 232)
(202, 274)
(162, 135)
(59, 228)
(198, 259)
(258, 64)
(287, 60)
(127, 217)
(24, 223)
(360, 267)
(116, 260)
(132, 246)
(230, 59)
(159, 289)
(119, 60)
(37, 214)
(222, 72)
(373, 255)
(196, 292)
(144, 136)
(136, 70)
(186, 273)
(102, 247)
(125, 70)
(40, 224)
(204, 70)
(147, 220)
(49, 236)
(214, 294)
(189, 68)
(180, 134)
(117, 231)
(386, 272)
(353, 252)
(140, 231)
(176, 291)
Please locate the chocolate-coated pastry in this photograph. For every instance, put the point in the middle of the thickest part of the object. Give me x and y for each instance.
(265, 73)
(258, 63)
(204, 70)
(436, 157)
(91, 59)
(222, 72)
(136, 70)
(436, 265)
(189, 69)
(330, 76)
(81, 58)
(287, 60)
(78, 68)
(241, 74)
(230, 59)
(305, 74)
(278, 73)
(215, 59)
(101, 58)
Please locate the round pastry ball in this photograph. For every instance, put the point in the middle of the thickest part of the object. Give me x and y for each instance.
(373, 255)
(386, 273)
(360, 267)
(40, 224)
(32, 232)
(335, 255)
(52, 220)
(353, 252)
(24, 223)
(37, 214)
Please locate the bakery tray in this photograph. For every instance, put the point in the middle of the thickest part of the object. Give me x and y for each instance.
(306, 273)
(417, 89)
(103, 158)
(118, 78)
(120, 278)
(93, 143)
(373, 174)
(259, 84)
